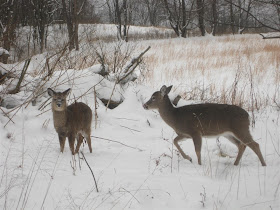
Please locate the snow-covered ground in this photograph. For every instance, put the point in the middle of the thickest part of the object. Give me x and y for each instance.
(133, 159)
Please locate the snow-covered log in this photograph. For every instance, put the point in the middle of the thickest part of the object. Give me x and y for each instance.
(275, 35)
(100, 69)
(4, 54)
(128, 74)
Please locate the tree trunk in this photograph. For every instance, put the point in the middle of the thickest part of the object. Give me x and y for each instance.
(200, 12)
(215, 17)
(125, 35)
(231, 17)
(69, 22)
(184, 20)
(76, 24)
(118, 18)
(173, 25)
(9, 33)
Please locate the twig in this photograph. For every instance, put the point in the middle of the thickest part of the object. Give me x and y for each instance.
(117, 142)
(111, 95)
(91, 171)
(130, 128)
(10, 119)
(256, 203)
(50, 182)
(122, 118)
(95, 107)
(131, 194)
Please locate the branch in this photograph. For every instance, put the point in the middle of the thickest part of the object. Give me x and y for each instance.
(270, 37)
(23, 72)
(117, 142)
(91, 171)
(253, 16)
(136, 61)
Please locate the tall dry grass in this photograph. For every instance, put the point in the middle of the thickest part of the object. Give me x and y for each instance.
(240, 69)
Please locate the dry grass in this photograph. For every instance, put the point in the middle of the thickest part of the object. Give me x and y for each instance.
(206, 68)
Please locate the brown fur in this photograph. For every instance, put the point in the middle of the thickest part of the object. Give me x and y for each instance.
(196, 121)
(72, 121)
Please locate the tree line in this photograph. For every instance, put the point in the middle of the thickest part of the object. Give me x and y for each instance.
(185, 17)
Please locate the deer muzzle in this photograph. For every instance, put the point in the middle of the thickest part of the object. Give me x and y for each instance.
(145, 106)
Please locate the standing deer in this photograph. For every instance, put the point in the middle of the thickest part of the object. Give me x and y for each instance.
(199, 120)
(72, 121)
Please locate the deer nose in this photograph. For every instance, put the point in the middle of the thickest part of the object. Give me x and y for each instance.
(145, 106)
(59, 104)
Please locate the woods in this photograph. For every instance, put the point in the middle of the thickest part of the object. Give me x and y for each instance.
(185, 17)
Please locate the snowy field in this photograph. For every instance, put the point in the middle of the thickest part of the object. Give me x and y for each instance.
(134, 161)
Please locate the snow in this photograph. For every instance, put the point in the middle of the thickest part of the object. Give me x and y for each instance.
(147, 176)
(134, 160)
(4, 51)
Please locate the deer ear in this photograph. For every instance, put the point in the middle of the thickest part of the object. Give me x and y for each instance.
(50, 92)
(168, 89)
(163, 90)
(66, 92)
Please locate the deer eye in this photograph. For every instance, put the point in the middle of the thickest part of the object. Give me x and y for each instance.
(55, 99)
(153, 98)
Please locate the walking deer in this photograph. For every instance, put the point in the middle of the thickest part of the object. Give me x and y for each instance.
(72, 121)
(205, 120)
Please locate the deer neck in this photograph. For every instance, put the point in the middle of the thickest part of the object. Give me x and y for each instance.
(167, 111)
(59, 119)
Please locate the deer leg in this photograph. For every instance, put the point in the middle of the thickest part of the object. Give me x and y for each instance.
(71, 140)
(62, 139)
(89, 143)
(256, 148)
(197, 141)
(241, 148)
(248, 141)
(176, 140)
(79, 142)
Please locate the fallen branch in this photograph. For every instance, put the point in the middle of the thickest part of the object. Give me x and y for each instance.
(270, 37)
(91, 171)
(23, 72)
(117, 142)
(132, 65)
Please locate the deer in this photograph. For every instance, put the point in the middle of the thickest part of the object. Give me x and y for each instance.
(205, 120)
(73, 121)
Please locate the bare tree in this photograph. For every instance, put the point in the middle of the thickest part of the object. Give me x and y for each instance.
(42, 11)
(231, 16)
(71, 13)
(122, 17)
(200, 13)
(262, 13)
(180, 15)
(215, 16)
(9, 19)
(154, 10)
